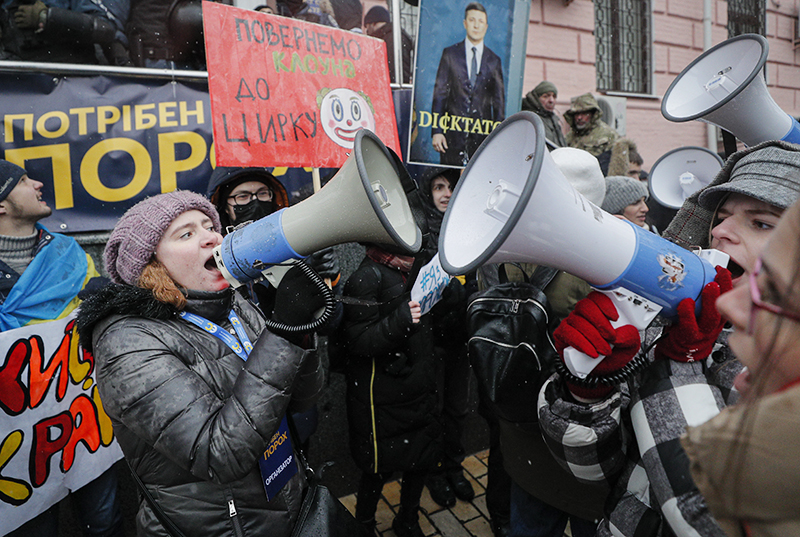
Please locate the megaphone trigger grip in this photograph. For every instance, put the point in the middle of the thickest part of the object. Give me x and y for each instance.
(717, 258)
(632, 309)
(275, 273)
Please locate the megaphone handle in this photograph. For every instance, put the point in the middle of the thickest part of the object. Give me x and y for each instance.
(632, 309)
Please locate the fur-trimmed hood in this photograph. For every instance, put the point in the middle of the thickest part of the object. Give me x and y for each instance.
(619, 163)
(584, 103)
(119, 299)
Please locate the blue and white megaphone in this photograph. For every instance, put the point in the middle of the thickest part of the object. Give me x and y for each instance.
(513, 204)
(364, 202)
(725, 86)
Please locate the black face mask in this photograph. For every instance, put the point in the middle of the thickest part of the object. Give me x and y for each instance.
(254, 210)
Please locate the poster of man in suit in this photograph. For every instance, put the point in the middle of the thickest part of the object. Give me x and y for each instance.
(459, 103)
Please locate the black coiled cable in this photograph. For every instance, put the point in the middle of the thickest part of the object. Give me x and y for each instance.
(327, 294)
(611, 379)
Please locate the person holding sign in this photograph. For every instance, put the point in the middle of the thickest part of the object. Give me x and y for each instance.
(41, 274)
(447, 482)
(196, 388)
(391, 380)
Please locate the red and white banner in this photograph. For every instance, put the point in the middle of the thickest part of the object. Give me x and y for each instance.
(54, 434)
(285, 92)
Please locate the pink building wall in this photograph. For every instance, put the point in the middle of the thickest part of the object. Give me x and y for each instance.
(561, 50)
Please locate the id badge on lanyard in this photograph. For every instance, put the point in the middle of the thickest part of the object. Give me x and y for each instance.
(277, 465)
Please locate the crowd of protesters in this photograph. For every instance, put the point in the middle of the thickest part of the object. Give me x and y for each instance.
(194, 410)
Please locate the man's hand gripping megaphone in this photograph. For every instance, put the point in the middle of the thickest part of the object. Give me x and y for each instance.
(607, 341)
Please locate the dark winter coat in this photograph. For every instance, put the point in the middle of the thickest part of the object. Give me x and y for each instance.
(391, 385)
(190, 416)
(449, 314)
(386, 32)
(552, 123)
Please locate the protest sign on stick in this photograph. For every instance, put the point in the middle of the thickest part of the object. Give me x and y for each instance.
(285, 92)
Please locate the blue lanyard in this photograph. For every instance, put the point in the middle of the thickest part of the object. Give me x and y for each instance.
(221, 333)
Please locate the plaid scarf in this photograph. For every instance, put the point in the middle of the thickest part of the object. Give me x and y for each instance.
(403, 263)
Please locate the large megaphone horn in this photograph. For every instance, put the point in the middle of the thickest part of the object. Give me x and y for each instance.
(725, 86)
(680, 173)
(364, 202)
(513, 204)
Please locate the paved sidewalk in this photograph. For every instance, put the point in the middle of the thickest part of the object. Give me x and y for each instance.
(464, 519)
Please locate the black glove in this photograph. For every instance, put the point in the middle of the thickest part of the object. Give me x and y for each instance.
(297, 298)
(325, 263)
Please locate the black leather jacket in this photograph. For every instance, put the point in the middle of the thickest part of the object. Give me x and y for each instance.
(191, 417)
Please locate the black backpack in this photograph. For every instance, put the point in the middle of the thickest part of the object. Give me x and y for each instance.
(509, 344)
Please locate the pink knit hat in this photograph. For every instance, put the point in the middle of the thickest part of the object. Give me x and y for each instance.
(134, 239)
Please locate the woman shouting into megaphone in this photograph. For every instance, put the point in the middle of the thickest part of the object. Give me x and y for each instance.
(195, 387)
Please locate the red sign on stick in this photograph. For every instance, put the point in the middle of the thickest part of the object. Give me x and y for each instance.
(285, 92)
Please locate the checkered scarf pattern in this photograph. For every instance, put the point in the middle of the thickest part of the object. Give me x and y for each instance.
(630, 441)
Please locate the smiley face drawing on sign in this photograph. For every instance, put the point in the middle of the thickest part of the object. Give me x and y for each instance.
(343, 112)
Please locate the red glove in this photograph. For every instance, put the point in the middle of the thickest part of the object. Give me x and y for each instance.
(692, 338)
(588, 329)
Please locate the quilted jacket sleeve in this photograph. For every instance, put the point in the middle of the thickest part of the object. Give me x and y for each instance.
(587, 440)
(369, 334)
(213, 416)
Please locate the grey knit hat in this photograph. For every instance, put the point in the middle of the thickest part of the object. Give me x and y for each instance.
(770, 174)
(10, 175)
(622, 191)
(134, 239)
(543, 87)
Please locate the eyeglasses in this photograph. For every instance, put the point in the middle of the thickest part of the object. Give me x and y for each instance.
(243, 198)
(758, 304)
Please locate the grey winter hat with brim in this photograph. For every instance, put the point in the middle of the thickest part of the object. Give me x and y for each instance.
(770, 174)
(692, 225)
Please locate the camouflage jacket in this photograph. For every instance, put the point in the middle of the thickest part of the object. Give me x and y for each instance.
(597, 137)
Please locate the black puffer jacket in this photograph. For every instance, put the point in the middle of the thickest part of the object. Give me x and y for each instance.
(191, 417)
(391, 386)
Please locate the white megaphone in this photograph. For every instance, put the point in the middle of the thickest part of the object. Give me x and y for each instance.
(364, 202)
(680, 173)
(513, 204)
(725, 86)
